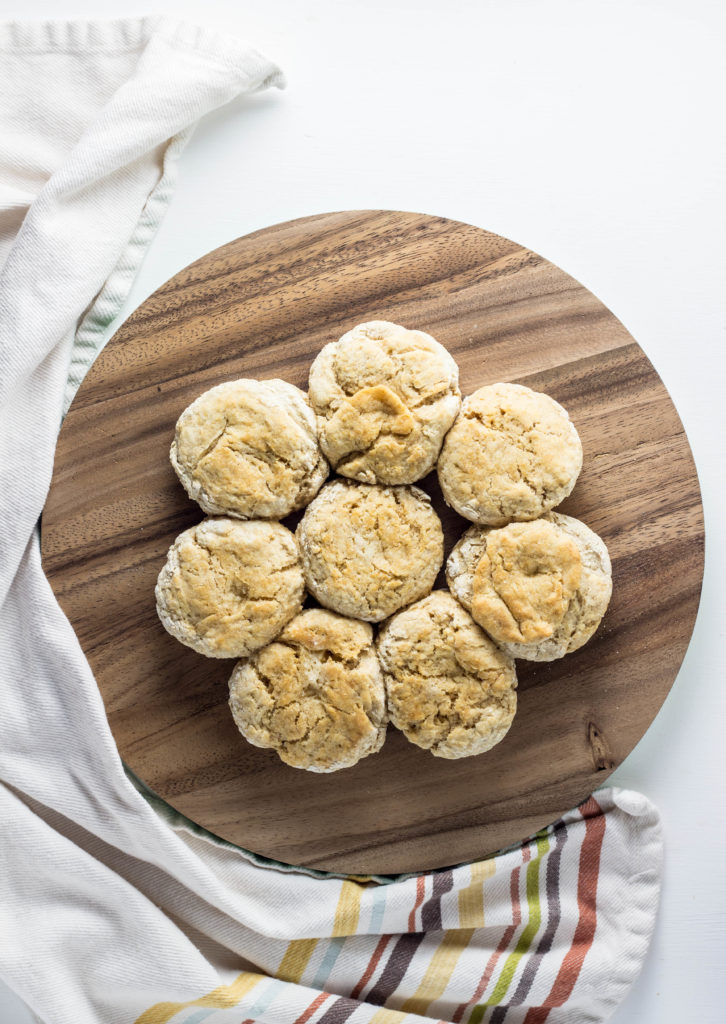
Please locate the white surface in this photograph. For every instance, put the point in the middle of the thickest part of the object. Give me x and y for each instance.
(591, 132)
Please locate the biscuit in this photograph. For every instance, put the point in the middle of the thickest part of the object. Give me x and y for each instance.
(249, 449)
(385, 397)
(512, 454)
(449, 688)
(315, 695)
(524, 581)
(551, 631)
(369, 550)
(228, 587)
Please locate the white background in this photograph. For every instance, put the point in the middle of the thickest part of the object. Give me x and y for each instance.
(589, 130)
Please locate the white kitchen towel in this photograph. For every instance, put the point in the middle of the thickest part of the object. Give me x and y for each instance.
(112, 908)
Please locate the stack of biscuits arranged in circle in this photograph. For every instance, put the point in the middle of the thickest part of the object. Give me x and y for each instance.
(318, 684)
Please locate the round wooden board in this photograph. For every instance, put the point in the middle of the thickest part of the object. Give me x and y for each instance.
(263, 306)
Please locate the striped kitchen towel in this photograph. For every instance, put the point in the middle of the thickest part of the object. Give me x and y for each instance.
(554, 929)
(112, 908)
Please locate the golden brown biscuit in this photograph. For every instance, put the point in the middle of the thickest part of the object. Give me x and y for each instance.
(385, 397)
(249, 449)
(512, 454)
(553, 632)
(368, 550)
(228, 587)
(524, 581)
(449, 688)
(315, 695)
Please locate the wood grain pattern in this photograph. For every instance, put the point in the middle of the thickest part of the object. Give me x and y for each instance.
(262, 306)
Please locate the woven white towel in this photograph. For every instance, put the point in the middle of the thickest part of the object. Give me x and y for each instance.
(112, 908)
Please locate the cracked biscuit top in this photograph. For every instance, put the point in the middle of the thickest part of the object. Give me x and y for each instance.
(249, 449)
(385, 397)
(449, 688)
(523, 585)
(512, 454)
(228, 587)
(369, 550)
(524, 581)
(315, 695)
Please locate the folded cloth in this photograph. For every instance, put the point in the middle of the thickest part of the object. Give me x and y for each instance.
(112, 908)
(554, 929)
